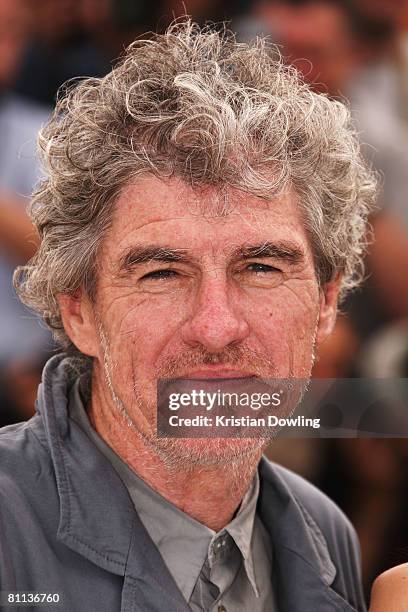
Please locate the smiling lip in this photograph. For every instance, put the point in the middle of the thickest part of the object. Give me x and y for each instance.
(215, 372)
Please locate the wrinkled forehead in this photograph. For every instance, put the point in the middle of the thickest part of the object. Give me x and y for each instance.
(208, 221)
(148, 199)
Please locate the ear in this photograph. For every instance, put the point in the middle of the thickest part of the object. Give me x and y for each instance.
(79, 322)
(329, 294)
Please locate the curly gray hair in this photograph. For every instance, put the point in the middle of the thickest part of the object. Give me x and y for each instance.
(195, 103)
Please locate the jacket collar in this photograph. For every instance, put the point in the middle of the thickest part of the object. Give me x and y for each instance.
(84, 478)
(296, 530)
(303, 568)
(89, 489)
(97, 516)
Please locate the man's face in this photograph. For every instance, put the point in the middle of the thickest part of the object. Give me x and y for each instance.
(200, 285)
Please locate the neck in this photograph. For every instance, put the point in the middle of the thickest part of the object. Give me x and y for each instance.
(210, 494)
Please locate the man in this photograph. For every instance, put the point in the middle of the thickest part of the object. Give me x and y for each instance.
(202, 212)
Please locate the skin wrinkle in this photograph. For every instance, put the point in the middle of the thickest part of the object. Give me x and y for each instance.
(216, 316)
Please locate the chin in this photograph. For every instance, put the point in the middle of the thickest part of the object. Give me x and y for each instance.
(203, 452)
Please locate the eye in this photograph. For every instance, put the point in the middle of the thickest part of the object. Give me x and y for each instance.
(260, 268)
(260, 275)
(160, 275)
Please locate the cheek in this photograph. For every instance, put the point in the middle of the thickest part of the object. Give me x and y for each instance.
(140, 327)
(284, 323)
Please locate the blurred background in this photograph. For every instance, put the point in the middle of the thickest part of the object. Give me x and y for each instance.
(354, 50)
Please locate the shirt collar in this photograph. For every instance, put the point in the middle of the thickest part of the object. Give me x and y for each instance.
(241, 529)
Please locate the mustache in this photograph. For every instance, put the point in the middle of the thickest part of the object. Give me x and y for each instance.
(244, 357)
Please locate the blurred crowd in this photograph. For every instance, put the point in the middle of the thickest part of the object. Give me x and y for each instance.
(354, 50)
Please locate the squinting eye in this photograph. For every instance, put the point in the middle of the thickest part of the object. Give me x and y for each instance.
(159, 275)
(260, 275)
(262, 268)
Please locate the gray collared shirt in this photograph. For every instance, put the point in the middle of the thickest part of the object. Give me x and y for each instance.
(226, 571)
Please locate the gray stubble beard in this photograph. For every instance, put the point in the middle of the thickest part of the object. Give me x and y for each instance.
(174, 453)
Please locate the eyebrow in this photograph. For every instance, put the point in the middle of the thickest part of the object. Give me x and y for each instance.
(283, 250)
(138, 255)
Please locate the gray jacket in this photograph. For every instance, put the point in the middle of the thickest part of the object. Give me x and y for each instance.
(68, 525)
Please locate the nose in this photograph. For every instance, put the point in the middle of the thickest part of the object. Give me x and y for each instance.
(216, 321)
